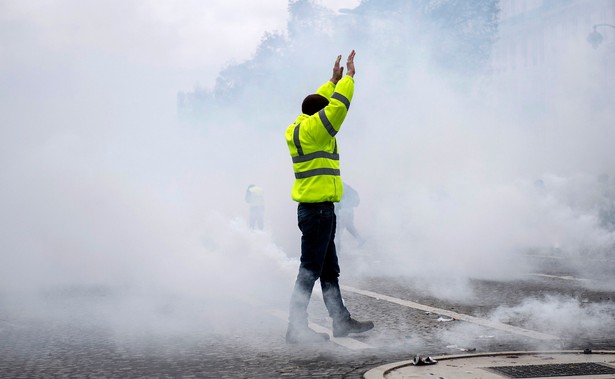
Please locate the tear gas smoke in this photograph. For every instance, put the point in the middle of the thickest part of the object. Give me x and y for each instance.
(104, 188)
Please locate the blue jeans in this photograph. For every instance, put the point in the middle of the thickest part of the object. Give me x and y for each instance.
(318, 261)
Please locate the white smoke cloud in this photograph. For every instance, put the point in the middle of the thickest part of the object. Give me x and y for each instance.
(448, 176)
(174, 35)
(104, 187)
(561, 316)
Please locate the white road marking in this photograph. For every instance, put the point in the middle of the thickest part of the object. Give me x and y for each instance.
(346, 342)
(565, 277)
(568, 258)
(455, 315)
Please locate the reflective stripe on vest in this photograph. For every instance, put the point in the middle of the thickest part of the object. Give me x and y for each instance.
(325, 121)
(317, 172)
(296, 140)
(342, 98)
(323, 117)
(318, 154)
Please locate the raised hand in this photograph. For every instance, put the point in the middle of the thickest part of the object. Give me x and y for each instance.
(338, 71)
(350, 64)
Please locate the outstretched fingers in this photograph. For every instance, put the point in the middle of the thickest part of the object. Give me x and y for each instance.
(337, 70)
(337, 62)
(350, 63)
(351, 56)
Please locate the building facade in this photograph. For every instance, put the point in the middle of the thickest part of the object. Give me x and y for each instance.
(544, 41)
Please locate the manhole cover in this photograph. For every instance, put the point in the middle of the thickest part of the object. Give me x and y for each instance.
(564, 369)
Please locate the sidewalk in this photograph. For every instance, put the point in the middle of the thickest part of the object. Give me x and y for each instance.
(529, 364)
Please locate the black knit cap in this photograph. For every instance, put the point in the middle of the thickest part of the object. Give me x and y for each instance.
(313, 103)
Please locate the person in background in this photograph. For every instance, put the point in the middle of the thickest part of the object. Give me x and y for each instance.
(256, 200)
(314, 151)
(344, 212)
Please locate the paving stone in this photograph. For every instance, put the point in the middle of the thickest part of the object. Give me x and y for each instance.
(78, 342)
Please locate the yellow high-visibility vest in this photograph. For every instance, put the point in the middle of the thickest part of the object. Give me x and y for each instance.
(313, 147)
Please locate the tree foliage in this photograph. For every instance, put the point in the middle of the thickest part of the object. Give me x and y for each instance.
(454, 35)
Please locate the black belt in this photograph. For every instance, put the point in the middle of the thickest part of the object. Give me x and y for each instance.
(321, 204)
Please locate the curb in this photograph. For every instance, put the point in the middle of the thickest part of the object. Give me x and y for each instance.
(380, 372)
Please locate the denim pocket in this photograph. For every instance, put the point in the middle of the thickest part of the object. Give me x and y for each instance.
(312, 216)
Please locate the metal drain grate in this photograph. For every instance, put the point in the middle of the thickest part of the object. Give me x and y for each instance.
(564, 369)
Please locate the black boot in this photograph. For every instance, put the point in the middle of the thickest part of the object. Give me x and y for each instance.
(344, 327)
(303, 334)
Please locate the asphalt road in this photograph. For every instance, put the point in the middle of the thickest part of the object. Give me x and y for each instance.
(100, 333)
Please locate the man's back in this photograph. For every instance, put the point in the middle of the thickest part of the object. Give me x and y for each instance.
(313, 146)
